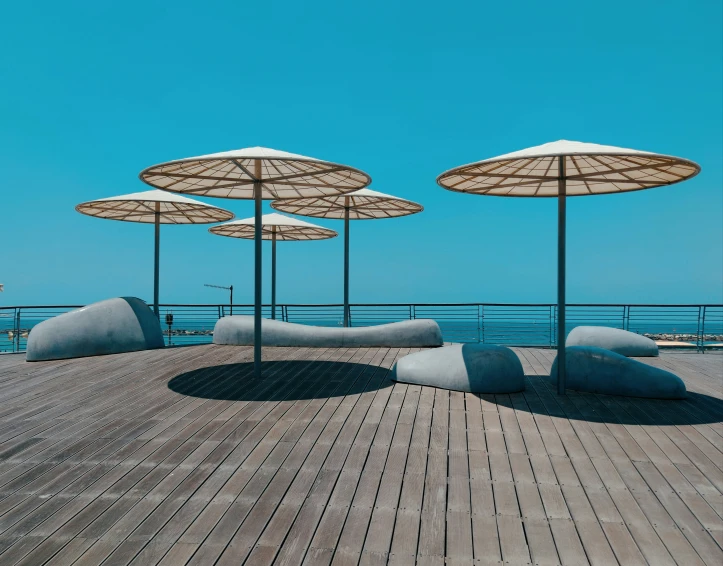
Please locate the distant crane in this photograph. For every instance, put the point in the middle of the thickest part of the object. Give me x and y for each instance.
(230, 288)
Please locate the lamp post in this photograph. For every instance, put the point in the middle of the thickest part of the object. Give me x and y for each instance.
(229, 288)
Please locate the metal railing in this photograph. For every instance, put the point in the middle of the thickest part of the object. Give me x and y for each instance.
(520, 324)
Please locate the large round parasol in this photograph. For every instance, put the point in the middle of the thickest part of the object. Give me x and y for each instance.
(255, 173)
(364, 204)
(561, 169)
(275, 227)
(154, 207)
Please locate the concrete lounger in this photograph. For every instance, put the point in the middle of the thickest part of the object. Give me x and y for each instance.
(596, 370)
(239, 331)
(474, 368)
(613, 339)
(123, 324)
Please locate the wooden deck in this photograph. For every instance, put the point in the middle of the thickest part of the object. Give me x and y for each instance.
(179, 456)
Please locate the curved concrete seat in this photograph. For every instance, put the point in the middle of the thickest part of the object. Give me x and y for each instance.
(239, 331)
(474, 368)
(613, 339)
(123, 324)
(601, 371)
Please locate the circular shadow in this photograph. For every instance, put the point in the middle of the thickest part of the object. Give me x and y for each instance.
(540, 397)
(280, 380)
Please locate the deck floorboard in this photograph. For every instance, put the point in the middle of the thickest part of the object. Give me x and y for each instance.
(180, 457)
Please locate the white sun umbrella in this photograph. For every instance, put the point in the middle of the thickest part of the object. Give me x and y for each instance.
(155, 207)
(364, 204)
(256, 173)
(275, 227)
(561, 169)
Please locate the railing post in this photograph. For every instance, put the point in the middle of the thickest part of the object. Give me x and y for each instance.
(17, 330)
(481, 323)
(702, 328)
(412, 312)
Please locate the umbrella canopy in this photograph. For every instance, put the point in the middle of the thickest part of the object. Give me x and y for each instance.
(255, 173)
(154, 207)
(590, 169)
(364, 204)
(275, 227)
(567, 168)
(143, 206)
(232, 174)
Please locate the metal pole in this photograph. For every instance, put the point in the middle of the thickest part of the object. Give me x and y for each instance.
(155, 265)
(16, 338)
(257, 265)
(562, 189)
(273, 273)
(231, 305)
(346, 262)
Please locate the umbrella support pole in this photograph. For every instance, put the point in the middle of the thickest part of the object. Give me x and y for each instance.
(273, 274)
(346, 263)
(257, 270)
(561, 237)
(156, 254)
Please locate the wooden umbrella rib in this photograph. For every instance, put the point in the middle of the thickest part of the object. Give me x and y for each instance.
(251, 176)
(194, 176)
(550, 164)
(298, 184)
(573, 158)
(313, 175)
(506, 176)
(621, 172)
(272, 164)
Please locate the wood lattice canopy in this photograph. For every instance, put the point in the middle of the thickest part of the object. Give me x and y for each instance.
(142, 207)
(232, 174)
(590, 169)
(363, 204)
(285, 227)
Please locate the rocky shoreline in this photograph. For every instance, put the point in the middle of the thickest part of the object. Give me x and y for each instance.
(684, 337)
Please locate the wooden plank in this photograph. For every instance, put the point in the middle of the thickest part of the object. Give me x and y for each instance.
(103, 461)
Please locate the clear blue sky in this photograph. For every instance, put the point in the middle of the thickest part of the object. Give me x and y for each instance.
(93, 92)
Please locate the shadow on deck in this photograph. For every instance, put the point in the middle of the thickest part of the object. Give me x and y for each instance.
(281, 380)
(296, 380)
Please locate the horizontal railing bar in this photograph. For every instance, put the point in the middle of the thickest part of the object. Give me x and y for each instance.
(400, 305)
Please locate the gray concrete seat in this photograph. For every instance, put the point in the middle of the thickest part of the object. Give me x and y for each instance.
(474, 368)
(596, 370)
(613, 339)
(123, 324)
(239, 331)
